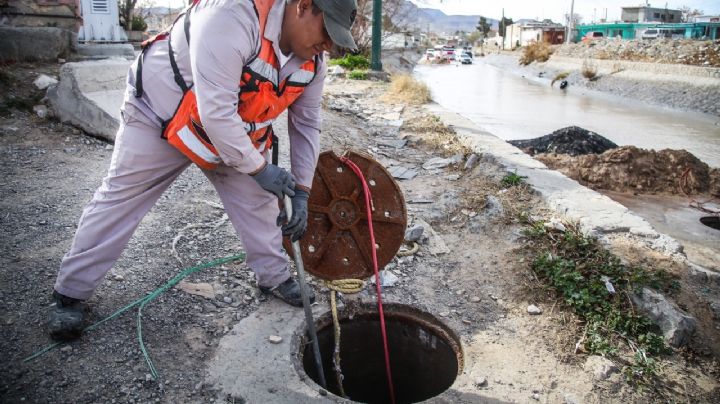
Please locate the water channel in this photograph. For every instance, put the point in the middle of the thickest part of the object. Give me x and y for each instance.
(512, 107)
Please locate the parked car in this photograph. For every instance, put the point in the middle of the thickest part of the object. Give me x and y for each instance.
(593, 35)
(465, 59)
(650, 33)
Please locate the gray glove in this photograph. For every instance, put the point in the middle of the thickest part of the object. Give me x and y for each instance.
(297, 225)
(276, 180)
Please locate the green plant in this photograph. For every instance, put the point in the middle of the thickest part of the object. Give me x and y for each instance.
(358, 75)
(596, 285)
(138, 23)
(351, 62)
(560, 76)
(512, 180)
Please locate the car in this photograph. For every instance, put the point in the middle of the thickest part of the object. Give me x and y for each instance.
(465, 59)
(650, 33)
(593, 35)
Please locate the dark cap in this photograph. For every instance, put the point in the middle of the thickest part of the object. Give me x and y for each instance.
(339, 16)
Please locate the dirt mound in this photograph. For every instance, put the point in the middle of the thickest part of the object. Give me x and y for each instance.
(629, 169)
(572, 140)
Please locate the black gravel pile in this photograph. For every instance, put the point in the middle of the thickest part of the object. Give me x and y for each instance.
(572, 140)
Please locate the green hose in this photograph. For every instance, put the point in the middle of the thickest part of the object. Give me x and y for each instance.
(142, 302)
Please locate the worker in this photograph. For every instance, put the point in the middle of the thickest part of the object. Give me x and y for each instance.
(206, 92)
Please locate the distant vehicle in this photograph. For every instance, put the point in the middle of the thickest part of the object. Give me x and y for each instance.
(468, 53)
(593, 35)
(650, 33)
(430, 54)
(465, 59)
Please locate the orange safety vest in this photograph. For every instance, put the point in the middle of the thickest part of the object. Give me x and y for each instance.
(261, 99)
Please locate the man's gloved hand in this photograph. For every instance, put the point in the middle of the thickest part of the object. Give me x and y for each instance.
(275, 180)
(297, 225)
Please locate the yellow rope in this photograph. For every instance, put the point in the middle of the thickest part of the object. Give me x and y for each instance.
(409, 252)
(344, 286)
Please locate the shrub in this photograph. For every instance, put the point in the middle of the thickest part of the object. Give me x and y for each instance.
(404, 88)
(358, 75)
(138, 23)
(535, 52)
(589, 70)
(351, 62)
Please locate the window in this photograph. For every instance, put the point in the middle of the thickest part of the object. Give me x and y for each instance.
(100, 7)
(656, 15)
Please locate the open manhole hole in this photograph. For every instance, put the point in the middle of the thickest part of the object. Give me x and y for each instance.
(425, 355)
(711, 221)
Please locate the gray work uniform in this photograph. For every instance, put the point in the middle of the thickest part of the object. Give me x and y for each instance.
(224, 36)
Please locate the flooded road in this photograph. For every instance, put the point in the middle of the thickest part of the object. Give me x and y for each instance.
(512, 107)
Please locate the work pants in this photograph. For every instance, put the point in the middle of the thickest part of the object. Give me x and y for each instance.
(143, 165)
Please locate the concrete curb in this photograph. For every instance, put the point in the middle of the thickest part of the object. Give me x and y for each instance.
(597, 214)
(89, 95)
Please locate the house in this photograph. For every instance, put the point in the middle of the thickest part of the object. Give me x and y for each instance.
(645, 14)
(401, 40)
(697, 30)
(524, 32)
(706, 18)
(158, 18)
(41, 13)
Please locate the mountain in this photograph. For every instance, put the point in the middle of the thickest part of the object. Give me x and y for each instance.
(430, 19)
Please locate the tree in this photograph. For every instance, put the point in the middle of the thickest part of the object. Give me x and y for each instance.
(504, 22)
(576, 20)
(126, 13)
(689, 13)
(396, 15)
(483, 27)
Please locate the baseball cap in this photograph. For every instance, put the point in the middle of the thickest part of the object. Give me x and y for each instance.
(339, 16)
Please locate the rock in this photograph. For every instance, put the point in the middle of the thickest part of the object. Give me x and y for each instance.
(66, 348)
(600, 367)
(438, 162)
(227, 299)
(396, 143)
(436, 244)
(475, 299)
(571, 399)
(414, 233)
(199, 289)
(41, 111)
(471, 161)
(402, 173)
(534, 310)
(387, 278)
(118, 277)
(444, 313)
(481, 382)
(676, 325)
(336, 71)
(452, 177)
(555, 224)
(536, 396)
(275, 339)
(148, 377)
(43, 81)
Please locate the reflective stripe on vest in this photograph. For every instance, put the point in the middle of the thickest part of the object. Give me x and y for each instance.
(261, 98)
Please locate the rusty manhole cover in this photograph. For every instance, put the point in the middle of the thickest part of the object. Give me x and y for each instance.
(337, 242)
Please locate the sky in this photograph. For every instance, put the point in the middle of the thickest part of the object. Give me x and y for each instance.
(538, 9)
(556, 9)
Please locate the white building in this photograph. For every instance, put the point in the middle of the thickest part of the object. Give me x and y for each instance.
(100, 22)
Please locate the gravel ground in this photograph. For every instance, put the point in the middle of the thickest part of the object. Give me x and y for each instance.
(482, 289)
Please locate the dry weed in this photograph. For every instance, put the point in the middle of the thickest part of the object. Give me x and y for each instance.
(589, 70)
(535, 52)
(405, 89)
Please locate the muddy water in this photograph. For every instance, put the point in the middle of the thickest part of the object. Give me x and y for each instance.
(512, 107)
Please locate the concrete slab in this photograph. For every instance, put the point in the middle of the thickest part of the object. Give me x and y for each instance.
(247, 366)
(89, 95)
(19, 44)
(597, 214)
(94, 50)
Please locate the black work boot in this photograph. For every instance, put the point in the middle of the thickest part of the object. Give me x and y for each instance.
(66, 318)
(289, 292)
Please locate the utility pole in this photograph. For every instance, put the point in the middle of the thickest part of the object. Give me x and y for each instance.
(571, 21)
(502, 22)
(375, 63)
